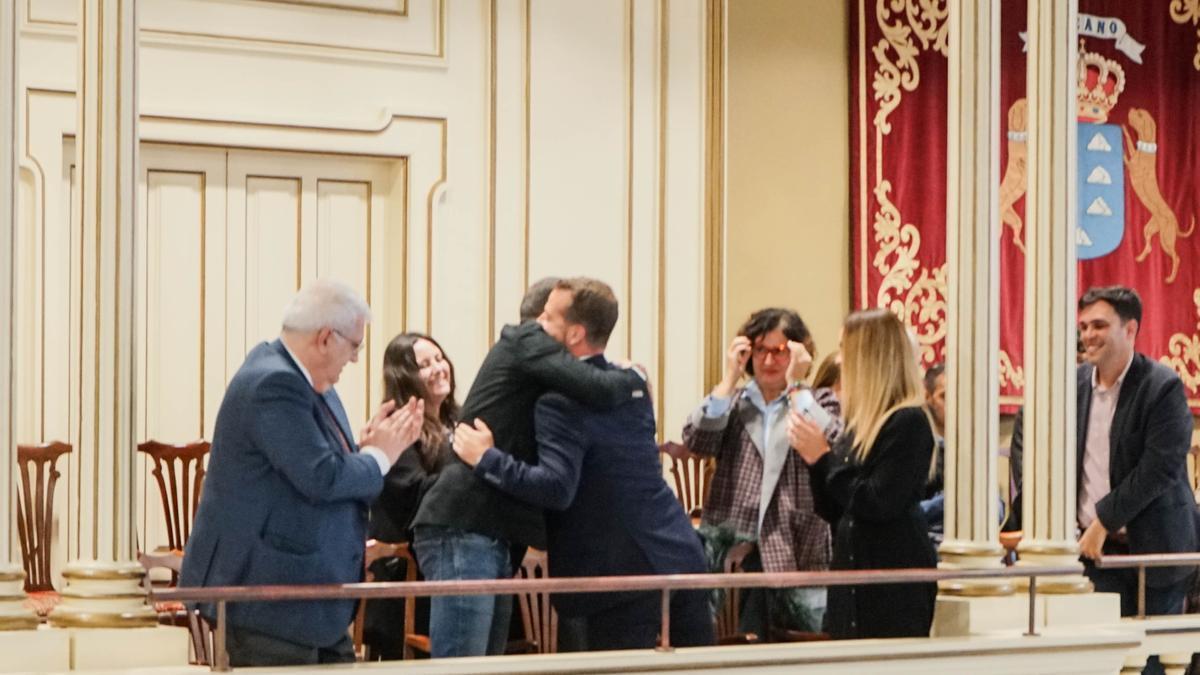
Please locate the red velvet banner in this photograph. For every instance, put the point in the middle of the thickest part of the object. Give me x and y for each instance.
(1138, 184)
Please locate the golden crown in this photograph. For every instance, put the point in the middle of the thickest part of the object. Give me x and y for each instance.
(1101, 81)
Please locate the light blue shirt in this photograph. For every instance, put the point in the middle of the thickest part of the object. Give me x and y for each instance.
(774, 456)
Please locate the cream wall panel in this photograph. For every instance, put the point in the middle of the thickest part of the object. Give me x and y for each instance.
(389, 30)
(270, 230)
(315, 216)
(343, 250)
(578, 164)
(508, 160)
(172, 301)
(641, 302)
(612, 186)
(788, 194)
(681, 312)
(179, 309)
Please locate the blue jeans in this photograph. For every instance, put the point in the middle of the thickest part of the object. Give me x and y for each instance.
(467, 625)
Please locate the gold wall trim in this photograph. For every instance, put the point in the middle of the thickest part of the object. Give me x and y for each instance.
(490, 261)
(714, 187)
(402, 11)
(629, 52)
(439, 51)
(527, 56)
(433, 190)
(864, 298)
(664, 27)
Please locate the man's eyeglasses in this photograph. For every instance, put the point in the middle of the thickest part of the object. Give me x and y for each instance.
(356, 347)
(781, 352)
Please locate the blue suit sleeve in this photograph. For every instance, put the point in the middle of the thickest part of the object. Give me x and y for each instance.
(289, 437)
(552, 483)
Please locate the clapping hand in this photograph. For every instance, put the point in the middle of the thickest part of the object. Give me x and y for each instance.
(393, 429)
(806, 438)
(470, 442)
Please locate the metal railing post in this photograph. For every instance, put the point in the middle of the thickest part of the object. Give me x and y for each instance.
(220, 654)
(664, 640)
(1032, 607)
(1141, 592)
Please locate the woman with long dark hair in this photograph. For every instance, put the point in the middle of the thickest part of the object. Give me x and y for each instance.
(413, 365)
(870, 483)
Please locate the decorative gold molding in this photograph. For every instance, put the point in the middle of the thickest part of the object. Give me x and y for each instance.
(915, 294)
(1011, 375)
(401, 11)
(172, 37)
(527, 55)
(1183, 352)
(490, 261)
(627, 13)
(664, 27)
(714, 186)
(1183, 11)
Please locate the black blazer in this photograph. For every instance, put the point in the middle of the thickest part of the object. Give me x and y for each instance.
(874, 509)
(523, 364)
(610, 511)
(1147, 467)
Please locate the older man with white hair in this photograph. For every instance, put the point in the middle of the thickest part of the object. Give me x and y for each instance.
(286, 496)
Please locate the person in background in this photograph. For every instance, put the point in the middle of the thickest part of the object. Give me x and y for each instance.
(869, 483)
(760, 491)
(933, 501)
(414, 365)
(829, 375)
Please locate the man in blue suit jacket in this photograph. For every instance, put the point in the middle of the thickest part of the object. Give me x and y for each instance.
(600, 476)
(287, 490)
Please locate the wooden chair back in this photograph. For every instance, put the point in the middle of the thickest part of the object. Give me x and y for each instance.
(179, 471)
(692, 475)
(538, 617)
(38, 472)
(413, 642)
(176, 614)
(729, 613)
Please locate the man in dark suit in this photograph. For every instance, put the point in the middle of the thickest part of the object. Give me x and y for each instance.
(1134, 430)
(599, 473)
(286, 495)
(466, 528)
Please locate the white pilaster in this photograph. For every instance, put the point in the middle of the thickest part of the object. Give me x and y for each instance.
(972, 339)
(105, 590)
(1050, 295)
(12, 614)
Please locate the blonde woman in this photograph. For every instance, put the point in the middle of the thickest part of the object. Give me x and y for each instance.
(868, 486)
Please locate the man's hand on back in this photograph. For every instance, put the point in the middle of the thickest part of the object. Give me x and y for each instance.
(471, 442)
(393, 430)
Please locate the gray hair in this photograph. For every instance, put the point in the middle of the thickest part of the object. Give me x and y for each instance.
(325, 303)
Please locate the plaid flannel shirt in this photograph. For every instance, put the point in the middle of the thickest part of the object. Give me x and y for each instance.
(793, 536)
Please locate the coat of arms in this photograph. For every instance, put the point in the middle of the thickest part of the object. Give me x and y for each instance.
(1107, 153)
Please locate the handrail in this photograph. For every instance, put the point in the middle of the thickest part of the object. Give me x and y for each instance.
(222, 595)
(649, 582)
(1141, 562)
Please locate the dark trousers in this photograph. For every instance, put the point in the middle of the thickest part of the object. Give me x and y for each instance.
(636, 624)
(251, 648)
